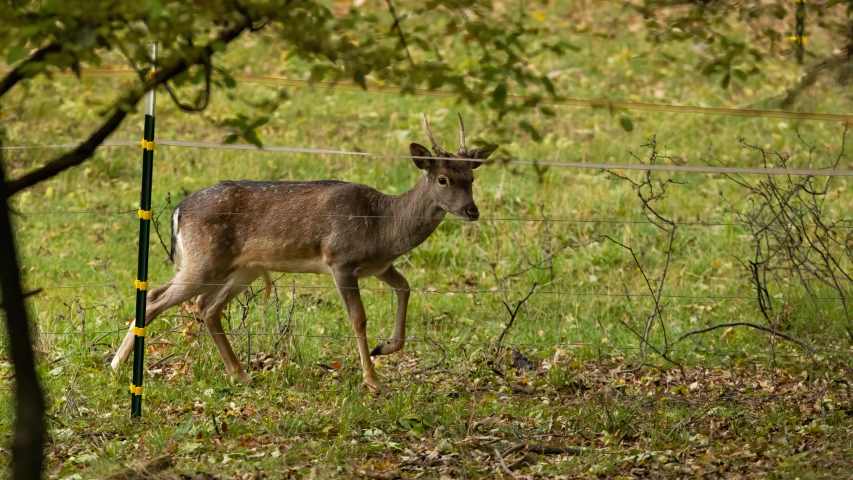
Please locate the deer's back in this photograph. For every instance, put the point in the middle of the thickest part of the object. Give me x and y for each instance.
(282, 226)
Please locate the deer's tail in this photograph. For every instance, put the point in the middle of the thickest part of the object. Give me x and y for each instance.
(174, 246)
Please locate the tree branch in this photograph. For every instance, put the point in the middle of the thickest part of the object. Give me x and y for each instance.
(121, 108)
(811, 77)
(26, 68)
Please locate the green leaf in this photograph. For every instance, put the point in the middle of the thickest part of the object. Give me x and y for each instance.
(499, 94)
(626, 123)
(531, 130)
(252, 137)
(15, 53)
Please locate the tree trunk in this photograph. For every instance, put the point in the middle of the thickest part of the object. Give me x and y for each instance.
(28, 442)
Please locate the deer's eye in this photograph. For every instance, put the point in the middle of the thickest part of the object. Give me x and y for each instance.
(443, 181)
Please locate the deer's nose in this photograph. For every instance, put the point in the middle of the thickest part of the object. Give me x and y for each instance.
(472, 212)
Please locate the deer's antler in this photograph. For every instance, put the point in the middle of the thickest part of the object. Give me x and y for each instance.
(462, 148)
(435, 146)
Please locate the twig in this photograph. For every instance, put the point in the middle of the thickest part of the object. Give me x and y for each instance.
(438, 363)
(26, 294)
(811, 77)
(553, 449)
(162, 361)
(513, 312)
(203, 99)
(502, 464)
(399, 28)
(286, 330)
(215, 425)
(156, 222)
(769, 330)
(655, 292)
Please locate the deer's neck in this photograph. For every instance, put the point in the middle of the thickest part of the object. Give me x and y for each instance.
(412, 217)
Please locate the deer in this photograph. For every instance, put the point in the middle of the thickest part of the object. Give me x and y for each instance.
(228, 235)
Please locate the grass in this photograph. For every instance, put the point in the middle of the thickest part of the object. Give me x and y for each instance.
(745, 406)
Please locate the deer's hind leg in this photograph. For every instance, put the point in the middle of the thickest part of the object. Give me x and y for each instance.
(181, 288)
(211, 305)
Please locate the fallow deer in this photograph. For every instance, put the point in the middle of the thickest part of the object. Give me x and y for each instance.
(226, 236)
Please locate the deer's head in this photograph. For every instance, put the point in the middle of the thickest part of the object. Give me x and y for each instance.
(450, 177)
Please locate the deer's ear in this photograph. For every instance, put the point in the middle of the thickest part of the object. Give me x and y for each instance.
(481, 153)
(418, 150)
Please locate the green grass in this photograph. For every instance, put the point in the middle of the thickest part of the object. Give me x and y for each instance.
(744, 407)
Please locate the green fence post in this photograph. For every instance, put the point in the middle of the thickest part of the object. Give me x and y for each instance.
(800, 30)
(141, 283)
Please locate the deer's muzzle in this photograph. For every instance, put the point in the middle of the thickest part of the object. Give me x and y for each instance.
(472, 212)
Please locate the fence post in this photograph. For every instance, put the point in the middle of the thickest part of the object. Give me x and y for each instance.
(144, 214)
(800, 30)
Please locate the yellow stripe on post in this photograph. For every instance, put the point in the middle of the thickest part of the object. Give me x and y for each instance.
(147, 144)
(140, 285)
(135, 389)
(143, 214)
(138, 331)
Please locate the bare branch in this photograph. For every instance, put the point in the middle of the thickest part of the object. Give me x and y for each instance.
(513, 312)
(502, 464)
(203, 99)
(26, 295)
(399, 28)
(811, 77)
(769, 330)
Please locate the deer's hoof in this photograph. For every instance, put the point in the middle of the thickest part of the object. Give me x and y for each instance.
(115, 362)
(373, 387)
(242, 377)
(386, 348)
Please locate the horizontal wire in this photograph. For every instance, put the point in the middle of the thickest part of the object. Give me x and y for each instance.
(62, 146)
(434, 291)
(697, 169)
(233, 333)
(76, 212)
(840, 224)
(617, 221)
(545, 220)
(579, 165)
(594, 103)
(246, 333)
(242, 331)
(717, 352)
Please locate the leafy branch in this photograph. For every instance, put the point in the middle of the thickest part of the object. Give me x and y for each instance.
(123, 106)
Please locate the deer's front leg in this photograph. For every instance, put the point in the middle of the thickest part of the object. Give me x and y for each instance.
(397, 281)
(347, 284)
